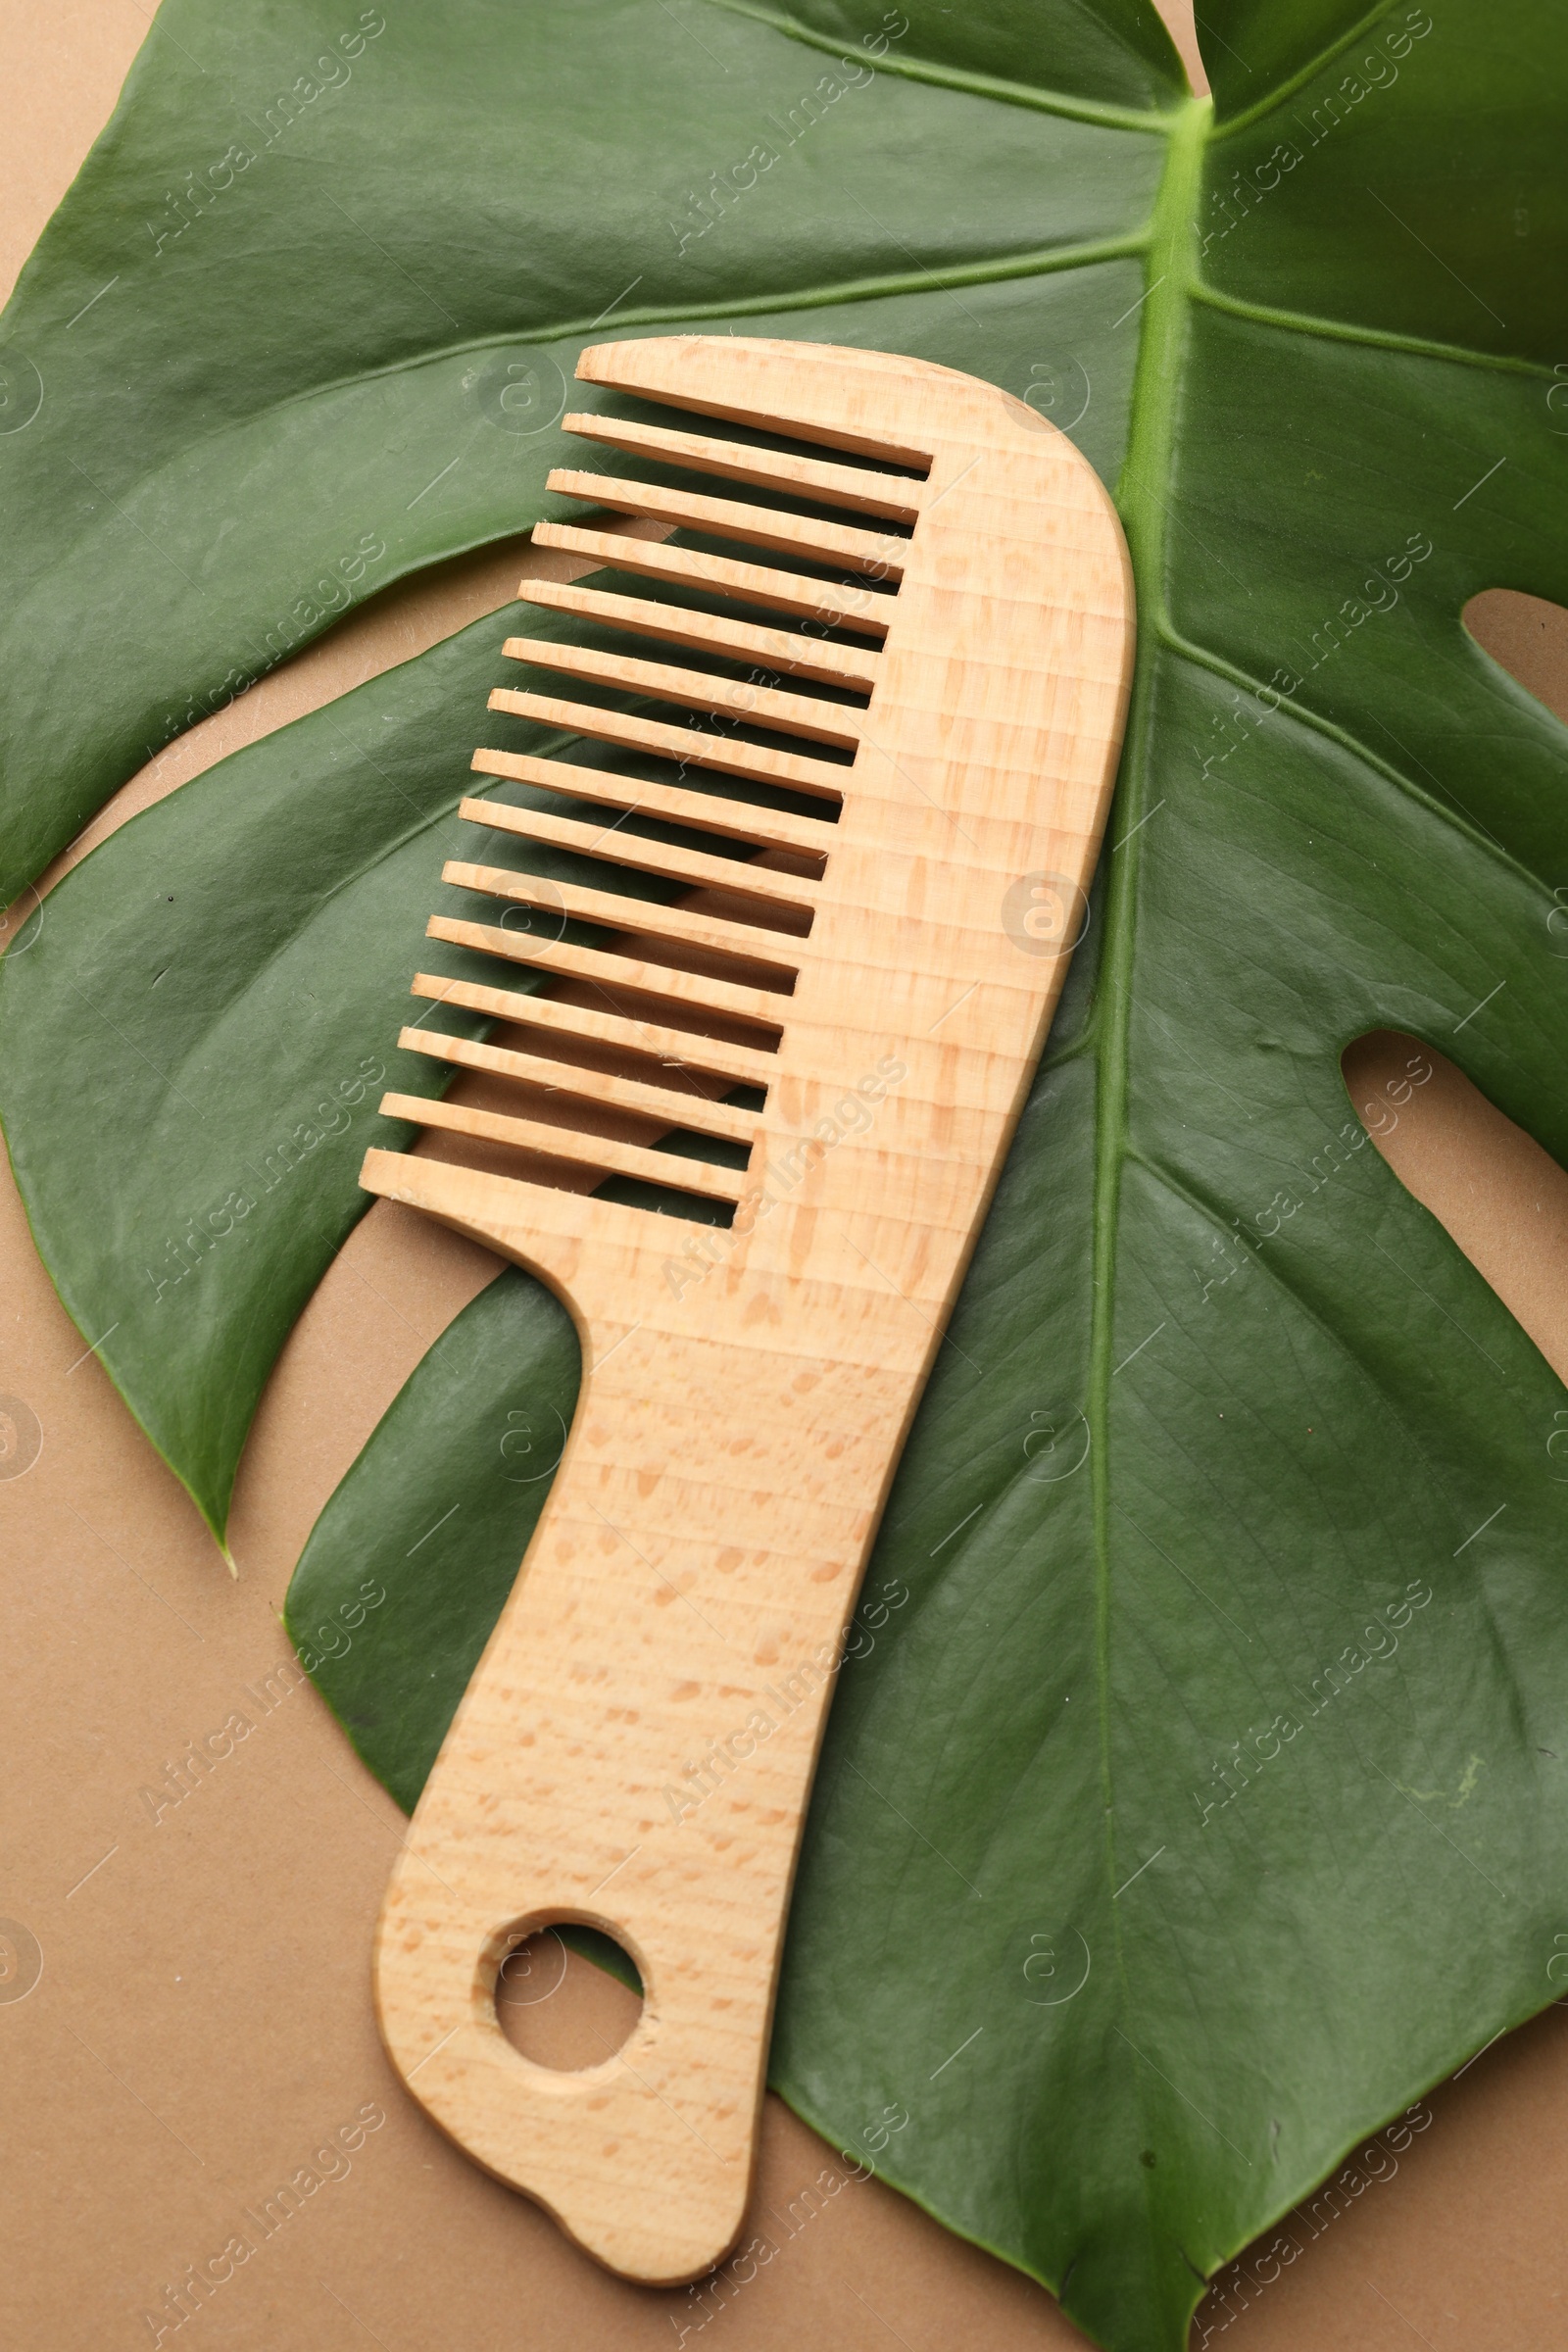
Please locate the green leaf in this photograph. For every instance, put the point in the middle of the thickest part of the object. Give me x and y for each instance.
(1222, 1731)
(491, 1403)
(194, 1045)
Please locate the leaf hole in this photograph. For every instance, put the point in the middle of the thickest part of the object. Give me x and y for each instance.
(566, 1997)
(1528, 637)
(1500, 1196)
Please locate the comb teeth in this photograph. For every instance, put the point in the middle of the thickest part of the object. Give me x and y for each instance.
(671, 1049)
(736, 876)
(885, 494)
(764, 705)
(705, 812)
(550, 1077)
(676, 1004)
(821, 600)
(600, 1152)
(690, 745)
(708, 633)
(784, 534)
(670, 987)
(667, 927)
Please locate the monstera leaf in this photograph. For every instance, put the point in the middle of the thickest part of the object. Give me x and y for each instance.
(1196, 1797)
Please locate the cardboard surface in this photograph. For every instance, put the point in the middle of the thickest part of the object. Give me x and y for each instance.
(187, 2050)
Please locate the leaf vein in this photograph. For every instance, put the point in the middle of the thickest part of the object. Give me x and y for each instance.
(952, 78)
(1344, 330)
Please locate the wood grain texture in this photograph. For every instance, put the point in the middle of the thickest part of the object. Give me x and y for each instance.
(635, 1749)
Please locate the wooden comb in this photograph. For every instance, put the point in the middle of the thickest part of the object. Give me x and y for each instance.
(877, 938)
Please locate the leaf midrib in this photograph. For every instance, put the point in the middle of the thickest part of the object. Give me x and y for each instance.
(1156, 385)
(1174, 285)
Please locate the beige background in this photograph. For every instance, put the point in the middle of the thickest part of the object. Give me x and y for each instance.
(202, 2023)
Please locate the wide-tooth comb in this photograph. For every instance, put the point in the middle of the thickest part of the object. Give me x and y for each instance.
(636, 1747)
